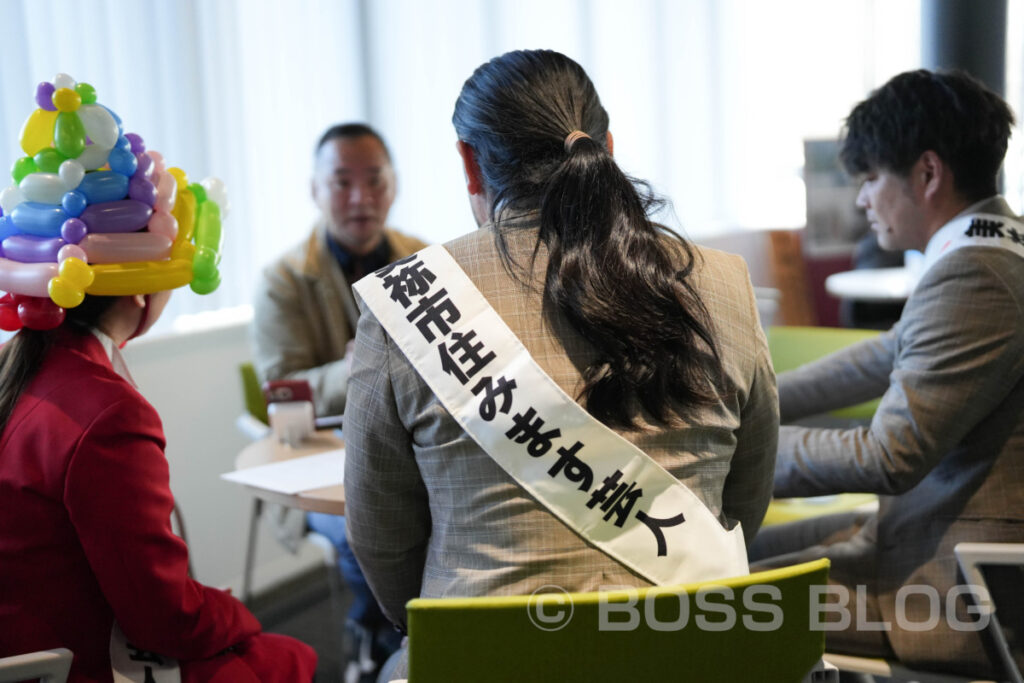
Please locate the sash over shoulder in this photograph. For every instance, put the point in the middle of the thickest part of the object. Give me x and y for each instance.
(601, 486)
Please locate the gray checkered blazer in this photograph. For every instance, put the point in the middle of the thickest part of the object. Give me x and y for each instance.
(430, 514)
(946, 445)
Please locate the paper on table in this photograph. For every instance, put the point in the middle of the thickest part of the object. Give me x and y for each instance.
(295, 475)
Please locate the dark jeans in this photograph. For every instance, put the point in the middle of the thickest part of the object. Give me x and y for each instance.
(364, 610)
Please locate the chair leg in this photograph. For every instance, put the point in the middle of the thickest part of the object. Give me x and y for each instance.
(250, 550)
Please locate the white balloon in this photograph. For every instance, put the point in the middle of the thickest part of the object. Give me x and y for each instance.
(46, 188)
(62, 80)
(216, 191)
(10, 198)
(99, 125)
(71, 172)
(93, 157)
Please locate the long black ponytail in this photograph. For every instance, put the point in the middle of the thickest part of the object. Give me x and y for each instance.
(611, 271)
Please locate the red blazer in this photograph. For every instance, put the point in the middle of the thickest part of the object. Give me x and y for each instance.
(85, 535)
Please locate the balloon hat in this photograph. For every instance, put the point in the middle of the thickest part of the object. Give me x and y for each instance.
(91, 211)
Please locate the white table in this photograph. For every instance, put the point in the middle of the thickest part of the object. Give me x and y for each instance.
(871, 284)
(329, 499)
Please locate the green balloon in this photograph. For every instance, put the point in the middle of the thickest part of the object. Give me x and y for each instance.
(22, 167)
(205, 285)
(69, 134)
(199, 191)
(48, 160)
(86, 92)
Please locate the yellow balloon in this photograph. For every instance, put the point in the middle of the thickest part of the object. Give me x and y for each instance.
(185, 212)
(67, 99)
(37, 132)
(64, 294)
(76, 272)
(183, 250)
(143, 277)
(67, 290)
(179, 176)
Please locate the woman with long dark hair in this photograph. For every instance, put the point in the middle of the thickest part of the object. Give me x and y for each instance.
(654, 342)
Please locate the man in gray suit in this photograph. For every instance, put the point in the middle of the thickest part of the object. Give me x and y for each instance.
(945, 450)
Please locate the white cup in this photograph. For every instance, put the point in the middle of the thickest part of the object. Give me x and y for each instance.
(292, 421)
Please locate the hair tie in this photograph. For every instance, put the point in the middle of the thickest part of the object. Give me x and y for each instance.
(572, 137)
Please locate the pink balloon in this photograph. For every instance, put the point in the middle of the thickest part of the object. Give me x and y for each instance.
(127, 247)
(164, 224)
(158, 160)
(166, 192)
(30, 279)
(71, 251)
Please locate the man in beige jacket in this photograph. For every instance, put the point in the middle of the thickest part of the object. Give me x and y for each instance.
(305, 316)
(305, 320)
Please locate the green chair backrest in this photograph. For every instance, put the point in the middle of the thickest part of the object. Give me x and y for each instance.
(750, 628)
(254, 401)
(793, 346)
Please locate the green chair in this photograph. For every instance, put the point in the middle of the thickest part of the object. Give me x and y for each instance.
(792, 347)
(255, 404)
(749, 628)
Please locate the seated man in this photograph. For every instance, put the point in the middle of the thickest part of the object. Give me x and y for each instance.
(305, 317)
(944, 447)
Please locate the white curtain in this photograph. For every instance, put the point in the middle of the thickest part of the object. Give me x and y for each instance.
(709, 99)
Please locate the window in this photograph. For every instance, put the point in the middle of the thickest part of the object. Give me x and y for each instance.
(710, 100)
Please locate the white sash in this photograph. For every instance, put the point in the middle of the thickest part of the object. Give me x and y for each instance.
(129, 664)
(975, 230)
(601, 486)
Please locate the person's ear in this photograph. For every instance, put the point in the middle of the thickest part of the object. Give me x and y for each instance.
(474, 178)
(933, 174)
(611, 143)
(139, 300)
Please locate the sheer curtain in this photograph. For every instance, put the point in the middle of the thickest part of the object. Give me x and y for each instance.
(710, 100)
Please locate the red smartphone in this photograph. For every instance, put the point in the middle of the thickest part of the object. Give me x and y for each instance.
(280, 390)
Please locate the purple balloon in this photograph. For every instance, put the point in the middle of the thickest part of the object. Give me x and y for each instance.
(123, 215)
(74, 230)
(138, 146)
(142, 190)
(31, 249)
(145, 168)
(44, 96)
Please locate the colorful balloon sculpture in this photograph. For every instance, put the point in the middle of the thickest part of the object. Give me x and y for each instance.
(91, 211)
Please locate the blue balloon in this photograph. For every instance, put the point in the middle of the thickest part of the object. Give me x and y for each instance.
(33, 218)
(122, 160)
(103, 186)
(123, 143)
(74, 203)
(7, 228)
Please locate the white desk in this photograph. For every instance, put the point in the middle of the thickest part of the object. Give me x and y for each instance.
(329, 499)
(871, 284)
